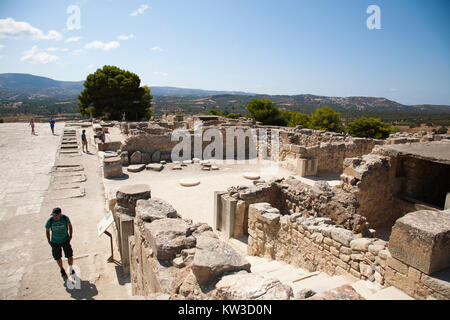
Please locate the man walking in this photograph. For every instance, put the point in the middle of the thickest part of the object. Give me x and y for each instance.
(61, 235)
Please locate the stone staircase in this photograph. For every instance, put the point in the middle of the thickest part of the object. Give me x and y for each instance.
(299, 279)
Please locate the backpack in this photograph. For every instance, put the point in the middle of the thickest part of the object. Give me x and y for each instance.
(63, 216)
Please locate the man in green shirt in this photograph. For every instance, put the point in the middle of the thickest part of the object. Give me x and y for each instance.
(61, 235)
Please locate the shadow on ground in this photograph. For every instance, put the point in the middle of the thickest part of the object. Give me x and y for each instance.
(80, 289)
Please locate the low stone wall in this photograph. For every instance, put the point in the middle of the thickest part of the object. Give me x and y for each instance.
(291, 197)
(316, 244)
(330, 156)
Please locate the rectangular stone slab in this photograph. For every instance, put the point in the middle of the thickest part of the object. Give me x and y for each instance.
(421, 239)
(67, 193)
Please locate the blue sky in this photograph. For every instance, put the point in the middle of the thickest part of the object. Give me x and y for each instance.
(318, 47)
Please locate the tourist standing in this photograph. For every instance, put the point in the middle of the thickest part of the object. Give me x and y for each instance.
(52, 126)
(61, 235)
(84, 141)
(32, 126)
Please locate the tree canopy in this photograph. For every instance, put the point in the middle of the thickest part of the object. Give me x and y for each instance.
(368, 128)
(265, 111)
(299, 119)
(326, 119)
(110, 91)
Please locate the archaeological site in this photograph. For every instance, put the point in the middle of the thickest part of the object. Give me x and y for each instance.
(207, 207)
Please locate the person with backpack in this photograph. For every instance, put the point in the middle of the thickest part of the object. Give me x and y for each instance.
(61, 234)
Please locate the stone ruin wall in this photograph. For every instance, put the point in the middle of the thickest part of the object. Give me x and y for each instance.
(330, 149)
(291, 197)
(314, 243)
(317, 244)
(372, 180)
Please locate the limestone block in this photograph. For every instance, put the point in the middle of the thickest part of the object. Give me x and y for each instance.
(307, 167)
(154, 209)
(136, 157)
(125, 159)
(384, 254)
(345, 292)
(126, 230)
(167, 237)
(217, 219)
(146, 158)
(361, 244)
(228, 211)
(251, 286)
(213, 257)
(439, 282)
(156, 156)
(112, 167)
(136, 168)
(421, 239)
(342, 236)
(397, 265)
(374, 249)
(127, 195)
(155, 167)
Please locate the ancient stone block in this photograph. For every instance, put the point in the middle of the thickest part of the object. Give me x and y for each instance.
(397, 265)
(156, 156)
(343, 236)
(345, 292)
(112, 167)
(384, 254)
(136, 168)
(213, 257)
(155, 167)
(145, 158)
(307, 167)
(168, 237)
(251, 286)
(136, 157)
(127, 196)
(154, 209)
(374, 249)
(421, 239)
(361, 244)
(439, 282)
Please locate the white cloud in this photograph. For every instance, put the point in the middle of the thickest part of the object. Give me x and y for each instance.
(2, 46)
(34, 56)
(73, 39)
(158, 73)
(157, 48)
(102, 45)
(10, 28)
(53, 49)
(126, 37)
(141, 10)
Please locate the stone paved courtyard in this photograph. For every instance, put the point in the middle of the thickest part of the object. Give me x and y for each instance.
(27, 196)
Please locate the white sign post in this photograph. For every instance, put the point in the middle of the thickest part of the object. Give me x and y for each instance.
(101, 229)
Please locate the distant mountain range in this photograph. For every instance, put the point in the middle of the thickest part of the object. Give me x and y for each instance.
(23, 87)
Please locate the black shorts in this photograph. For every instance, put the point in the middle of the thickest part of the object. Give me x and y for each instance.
(56, 250)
